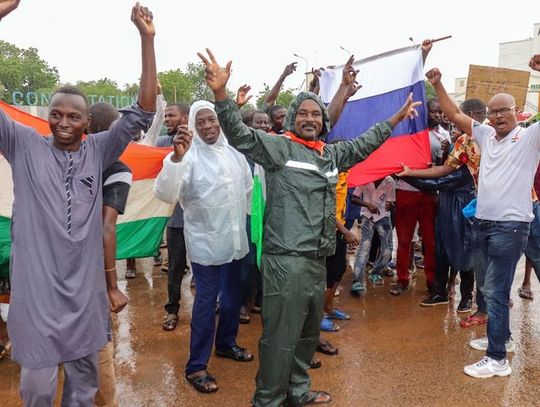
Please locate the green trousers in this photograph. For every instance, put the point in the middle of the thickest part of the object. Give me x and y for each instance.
(293, 295)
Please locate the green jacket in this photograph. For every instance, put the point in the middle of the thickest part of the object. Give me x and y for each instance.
(300, 216)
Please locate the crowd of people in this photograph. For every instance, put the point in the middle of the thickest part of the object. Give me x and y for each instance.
(474, 211)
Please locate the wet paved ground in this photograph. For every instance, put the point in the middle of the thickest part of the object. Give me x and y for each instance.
(392, 353)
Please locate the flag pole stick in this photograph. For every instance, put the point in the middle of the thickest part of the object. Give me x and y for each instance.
(442, 38)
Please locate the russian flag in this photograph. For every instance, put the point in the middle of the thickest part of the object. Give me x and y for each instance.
(386, 79)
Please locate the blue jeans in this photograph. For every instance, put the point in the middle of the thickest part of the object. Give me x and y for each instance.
(497, 247)
(367, 228)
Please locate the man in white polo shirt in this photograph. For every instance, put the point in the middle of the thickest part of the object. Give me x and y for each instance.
(510, 156)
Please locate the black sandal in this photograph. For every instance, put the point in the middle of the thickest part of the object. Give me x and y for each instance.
(235, 353)
(315, 364)
(200, 383)
(314, 397)
(170, 322)
(326, 348)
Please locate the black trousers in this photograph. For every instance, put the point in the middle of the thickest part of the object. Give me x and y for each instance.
(442, 273)
(176, 248)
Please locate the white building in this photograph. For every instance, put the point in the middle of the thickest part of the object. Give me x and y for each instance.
(514, 55)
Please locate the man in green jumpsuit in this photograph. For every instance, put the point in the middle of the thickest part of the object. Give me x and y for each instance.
(299, 227)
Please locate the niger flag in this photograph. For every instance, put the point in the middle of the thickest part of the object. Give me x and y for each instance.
(139, 230)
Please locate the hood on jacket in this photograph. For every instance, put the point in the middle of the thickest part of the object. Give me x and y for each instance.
(288, 125)
(197, 140)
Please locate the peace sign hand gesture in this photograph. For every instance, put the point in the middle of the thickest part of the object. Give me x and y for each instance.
(349, 73)
(216, 76)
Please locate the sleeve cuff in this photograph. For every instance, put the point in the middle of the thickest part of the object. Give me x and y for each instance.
(168, 162)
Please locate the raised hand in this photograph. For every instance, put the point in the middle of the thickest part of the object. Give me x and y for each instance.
(349, 73)
(181, 142)
(434, 76)
(314, 83)
(7, 6)
(289, 69)
(408, 110)
(143, 18)
(352, 89)
(534, 62)
(241, 96)
(216, 76)
(427, 45)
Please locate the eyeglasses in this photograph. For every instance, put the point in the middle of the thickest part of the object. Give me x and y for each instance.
(503, 111)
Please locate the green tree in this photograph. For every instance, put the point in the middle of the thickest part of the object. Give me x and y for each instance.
(185, 86)
(200, 91)
(23, 70)
(284, 98)
(430, 90)
(104, 86)
(175, 85)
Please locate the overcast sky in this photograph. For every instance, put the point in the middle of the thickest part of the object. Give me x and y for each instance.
(91, 39)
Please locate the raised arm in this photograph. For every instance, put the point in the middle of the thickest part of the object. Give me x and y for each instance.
(274, 92)
(314, 84)
(262, 148)
(449, 108)
(7, 6)
(242, 95)
(143, 20)
(426, 48)
(347, 88)
(134, 119)
(152, 134)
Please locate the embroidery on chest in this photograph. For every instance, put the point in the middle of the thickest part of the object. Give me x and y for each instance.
(88, 182)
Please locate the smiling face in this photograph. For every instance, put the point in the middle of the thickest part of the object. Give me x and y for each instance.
(260, 121)
(207, 125)
(308, 122)
(502, 114)
(68, 119)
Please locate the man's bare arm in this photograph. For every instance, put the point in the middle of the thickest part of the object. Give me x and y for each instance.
(449, 108)
(143, 19)
(347, 88)
(433, 172)
(7, 7)
(274, 92)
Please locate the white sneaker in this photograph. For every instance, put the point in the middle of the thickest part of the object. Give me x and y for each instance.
(482, 344)
(488, 367)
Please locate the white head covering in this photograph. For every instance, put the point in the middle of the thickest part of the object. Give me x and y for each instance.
(197, 141)
(213, 185)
